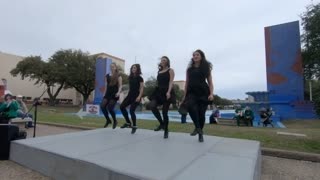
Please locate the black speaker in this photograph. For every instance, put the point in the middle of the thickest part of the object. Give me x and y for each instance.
(8, 133)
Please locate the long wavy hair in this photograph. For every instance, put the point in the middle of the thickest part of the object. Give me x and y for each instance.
(115, 75)
(168, 63)
(138, 72)
(205, 65)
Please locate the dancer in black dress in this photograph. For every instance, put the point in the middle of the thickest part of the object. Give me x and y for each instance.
(163, 95)
(134, 97)
(198, 91)
(112, 93)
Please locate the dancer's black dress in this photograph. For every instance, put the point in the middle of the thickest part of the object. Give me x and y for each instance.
(109, 101)
(112, 90)
(197, 98)
(159, 97)
(134, 91)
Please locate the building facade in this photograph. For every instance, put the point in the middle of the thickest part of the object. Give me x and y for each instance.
(120, 62)
(27, 87)
(180, 83)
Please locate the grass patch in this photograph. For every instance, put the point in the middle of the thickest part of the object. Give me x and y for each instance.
(267, 136)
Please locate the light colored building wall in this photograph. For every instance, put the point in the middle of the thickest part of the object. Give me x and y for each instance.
(26, 87)
(250, 98)
(180, 83)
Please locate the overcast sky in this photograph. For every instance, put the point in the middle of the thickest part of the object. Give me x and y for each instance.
(231, 33)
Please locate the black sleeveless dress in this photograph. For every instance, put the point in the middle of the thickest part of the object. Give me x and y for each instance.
(160, 92)
(112, 90)
(134, 88)
(198, 88)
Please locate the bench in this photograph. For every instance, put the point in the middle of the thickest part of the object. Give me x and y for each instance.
(20, 122)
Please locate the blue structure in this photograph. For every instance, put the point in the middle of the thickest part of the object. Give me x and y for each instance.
(285, 88)
(102, 68)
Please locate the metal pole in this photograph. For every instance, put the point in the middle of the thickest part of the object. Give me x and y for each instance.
(35, 119)
(310, 89)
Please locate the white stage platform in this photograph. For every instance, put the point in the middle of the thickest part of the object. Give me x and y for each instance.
(118, 155)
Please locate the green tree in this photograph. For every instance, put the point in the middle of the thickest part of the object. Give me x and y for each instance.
(315, 94)
(77, 68)
(125, 78)
(221, 101)
(35, 68)
(216, 100)
(311, 41)
(64, 69)
(149, 86)
(179, 93)
(311, 51)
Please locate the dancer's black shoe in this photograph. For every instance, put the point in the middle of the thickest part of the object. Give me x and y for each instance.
(166, 134)
(195, 132)
(158, 128)
(115, 123)
(106, 124)
(126, 125)
(133, 130)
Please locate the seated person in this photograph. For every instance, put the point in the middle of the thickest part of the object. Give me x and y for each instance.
(183, 110)
(213, 119)
(238, 115)
(248, 116)
(23, 110)
(183, 118)
(8, 109)
(265, 115)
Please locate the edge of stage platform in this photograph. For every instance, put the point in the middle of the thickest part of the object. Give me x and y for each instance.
(116, 154)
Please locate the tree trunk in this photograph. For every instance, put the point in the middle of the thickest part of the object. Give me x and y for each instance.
(53, 97)
(85, 98)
